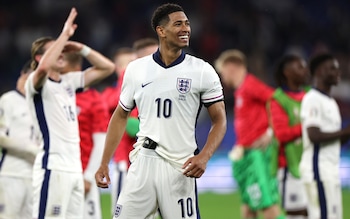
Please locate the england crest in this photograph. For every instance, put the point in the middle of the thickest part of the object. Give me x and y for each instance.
(118, 210)
(183, 85)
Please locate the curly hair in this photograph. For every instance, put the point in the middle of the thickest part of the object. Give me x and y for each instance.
(280, 77)
(316, 61)
(160, 15)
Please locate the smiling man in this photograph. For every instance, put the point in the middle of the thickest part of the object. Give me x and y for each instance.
(168, 88)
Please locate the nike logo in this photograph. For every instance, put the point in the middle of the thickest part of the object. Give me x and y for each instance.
(144, 85)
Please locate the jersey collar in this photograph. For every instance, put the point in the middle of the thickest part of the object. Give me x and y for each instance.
(157, 59)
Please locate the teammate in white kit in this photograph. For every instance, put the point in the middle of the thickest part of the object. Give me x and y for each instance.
(322, 137)
(57, 175)
(168, 88)
(19, 146)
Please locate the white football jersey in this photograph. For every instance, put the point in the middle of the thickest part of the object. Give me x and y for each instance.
(169, 100)
(320, 161)
(16, 123)
(53, 108)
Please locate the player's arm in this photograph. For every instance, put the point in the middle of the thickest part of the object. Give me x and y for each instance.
(49, 59)
(12, 144)
(195, 166)
(99, 127)
(115, 131)
(101, 67)
(317, 136)
(280, 124)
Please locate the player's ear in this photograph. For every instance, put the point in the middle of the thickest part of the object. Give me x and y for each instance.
(160, 31)
(38, 57)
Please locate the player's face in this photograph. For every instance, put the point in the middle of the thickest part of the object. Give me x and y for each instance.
(330, 72)
(229, 72)
(178, 30)
(298, 72)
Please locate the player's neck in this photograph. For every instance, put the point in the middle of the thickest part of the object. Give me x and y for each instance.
(168, 56)
(54, 75)
(323, 87)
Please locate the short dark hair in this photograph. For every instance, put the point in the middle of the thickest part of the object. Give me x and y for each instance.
(280, 77)
(318, 60)
(160, 15)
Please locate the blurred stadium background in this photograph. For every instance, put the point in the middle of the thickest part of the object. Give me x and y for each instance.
(264, 30)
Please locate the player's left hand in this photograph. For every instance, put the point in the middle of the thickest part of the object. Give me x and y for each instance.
(72, 46)
(195, 166)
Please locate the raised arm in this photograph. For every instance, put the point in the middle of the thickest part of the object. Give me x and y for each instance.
(101, 66)
(195, 166)
(49, 59)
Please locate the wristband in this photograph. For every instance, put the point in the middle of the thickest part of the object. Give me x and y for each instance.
(85, 51)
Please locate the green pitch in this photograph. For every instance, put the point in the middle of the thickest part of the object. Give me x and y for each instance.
(213, 205)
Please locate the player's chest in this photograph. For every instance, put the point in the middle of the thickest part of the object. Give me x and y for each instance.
(330, 114)
(60, 92)
(175, 84)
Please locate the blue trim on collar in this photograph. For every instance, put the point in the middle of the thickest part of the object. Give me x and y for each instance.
(322, 92)
(157, 59)
(54, 80)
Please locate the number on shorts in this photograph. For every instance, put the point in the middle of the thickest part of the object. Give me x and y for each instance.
(186, 207)
(92, 207)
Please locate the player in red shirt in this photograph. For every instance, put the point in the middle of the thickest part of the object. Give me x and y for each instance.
(291, 76)
(142, 47)
(93, 122)
(251, 151)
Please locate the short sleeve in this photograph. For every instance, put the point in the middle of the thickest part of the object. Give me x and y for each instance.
(3, 113)
(75, 79)
(211, 88)
(29, 86)
(310, 111)
(126, 100)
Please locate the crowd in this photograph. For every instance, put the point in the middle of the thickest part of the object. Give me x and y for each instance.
(80, 115)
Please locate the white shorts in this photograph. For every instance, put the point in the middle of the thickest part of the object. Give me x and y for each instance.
(57, 194)
(153, 183)
(16, 197)
(118, 181)
(292, 190)
(92, 207)
(325, 200)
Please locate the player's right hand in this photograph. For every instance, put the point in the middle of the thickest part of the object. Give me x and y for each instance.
(102, 177)
(69, 26)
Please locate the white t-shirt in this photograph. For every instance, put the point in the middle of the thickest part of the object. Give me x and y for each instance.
(169, 100)
(53, 108)
(320, 162)
(16, 123)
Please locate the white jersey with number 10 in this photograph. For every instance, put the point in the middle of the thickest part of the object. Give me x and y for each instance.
(169, 99)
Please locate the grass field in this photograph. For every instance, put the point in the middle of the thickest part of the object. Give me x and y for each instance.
(223, 206)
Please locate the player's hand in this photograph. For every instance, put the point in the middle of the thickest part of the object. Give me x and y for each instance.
(263, 141)
(195, 166)
(87, 186)
(69, 26)
(102, 177)
(72, 46)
